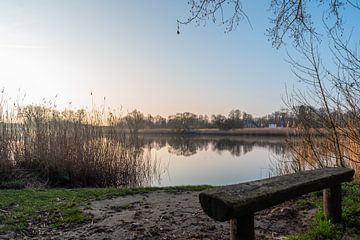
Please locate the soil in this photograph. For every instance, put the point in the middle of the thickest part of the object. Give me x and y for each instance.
(164, 215)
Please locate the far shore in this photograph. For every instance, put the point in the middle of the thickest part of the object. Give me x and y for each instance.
(271, 132)
(233, 132)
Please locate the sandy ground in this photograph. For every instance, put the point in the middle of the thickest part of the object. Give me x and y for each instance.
(162, 215)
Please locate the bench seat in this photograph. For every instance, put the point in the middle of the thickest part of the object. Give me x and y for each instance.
(241, 201)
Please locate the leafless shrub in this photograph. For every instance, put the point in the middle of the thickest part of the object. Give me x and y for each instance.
(330, 106)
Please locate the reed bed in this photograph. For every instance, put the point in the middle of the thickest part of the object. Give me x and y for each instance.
(69, 148)
(313, 150)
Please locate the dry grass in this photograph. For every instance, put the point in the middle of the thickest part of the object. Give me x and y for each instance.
(316, 150)
(69, 148)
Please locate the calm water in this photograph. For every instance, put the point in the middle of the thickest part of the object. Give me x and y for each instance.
(214, 161)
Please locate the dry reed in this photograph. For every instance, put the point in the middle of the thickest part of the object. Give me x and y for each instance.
(69, 148)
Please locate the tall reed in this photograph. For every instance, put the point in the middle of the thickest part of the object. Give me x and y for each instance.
(312, 150)
(70, 148)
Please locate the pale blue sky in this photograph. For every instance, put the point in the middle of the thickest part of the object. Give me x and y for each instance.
(129, 52)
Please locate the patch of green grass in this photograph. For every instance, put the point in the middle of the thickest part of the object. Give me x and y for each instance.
(59, 207)
(351, 205)
(187, 188)
(119, 208)
(308, 201)
(14, 184)
(320, 228)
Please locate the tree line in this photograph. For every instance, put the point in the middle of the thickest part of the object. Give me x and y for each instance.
(186, 121)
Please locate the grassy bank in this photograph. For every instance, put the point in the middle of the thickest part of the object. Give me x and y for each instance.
(59, 207)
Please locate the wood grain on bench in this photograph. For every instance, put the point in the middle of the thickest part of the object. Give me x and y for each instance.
(239, 202)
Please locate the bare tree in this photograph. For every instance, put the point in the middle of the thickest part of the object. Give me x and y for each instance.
(330, 106)
(335, 90)
(289, 17)
(135, 120)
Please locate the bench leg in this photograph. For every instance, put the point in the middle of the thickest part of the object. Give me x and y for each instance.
(332, 203)
(242, 228)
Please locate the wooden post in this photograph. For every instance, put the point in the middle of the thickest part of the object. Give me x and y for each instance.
(242, 228)
(332, 203)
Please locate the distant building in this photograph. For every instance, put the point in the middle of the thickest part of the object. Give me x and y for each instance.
(272, 125)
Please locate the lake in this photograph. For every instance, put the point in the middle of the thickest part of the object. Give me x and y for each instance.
(195, 160)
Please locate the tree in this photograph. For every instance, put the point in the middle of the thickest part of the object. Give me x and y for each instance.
(203, 121)
(182, 122)
(135, 120)
(291, 18)
(333, 86)
(247, 120)
(159, 121)
(221, 122)
(234, 119)
(149, 121)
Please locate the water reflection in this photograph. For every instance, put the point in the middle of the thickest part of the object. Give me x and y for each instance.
(236, 146)
(212, 160)
(217, 160)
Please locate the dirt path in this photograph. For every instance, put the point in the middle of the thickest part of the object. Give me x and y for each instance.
(162, 215)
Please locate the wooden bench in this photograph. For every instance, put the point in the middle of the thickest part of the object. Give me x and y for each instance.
(239, 202)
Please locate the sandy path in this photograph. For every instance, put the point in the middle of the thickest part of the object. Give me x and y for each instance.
(162, 215)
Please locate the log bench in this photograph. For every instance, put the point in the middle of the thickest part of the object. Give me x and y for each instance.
(239, 202)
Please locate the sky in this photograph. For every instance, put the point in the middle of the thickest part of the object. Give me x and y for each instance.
(76, 53)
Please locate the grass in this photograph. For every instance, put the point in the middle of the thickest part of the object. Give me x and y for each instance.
(60, 207)
(118, 208)
(13, 184)
(320, 228)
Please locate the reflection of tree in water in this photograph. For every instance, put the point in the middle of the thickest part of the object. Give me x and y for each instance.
(182, 146)
(242, 147)
(228, 145)
(237, 146)
(152, 141)
(148, 169)
(159, 143)
(142, 169)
